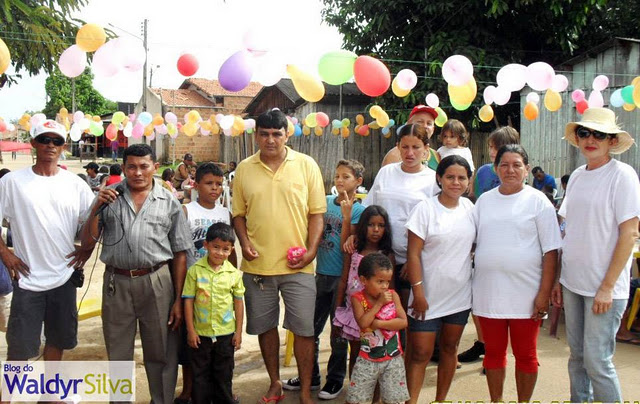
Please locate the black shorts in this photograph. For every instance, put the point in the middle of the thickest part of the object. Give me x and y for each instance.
(56, 308)
(399, 282)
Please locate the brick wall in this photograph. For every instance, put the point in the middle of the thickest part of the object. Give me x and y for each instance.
(203, 148)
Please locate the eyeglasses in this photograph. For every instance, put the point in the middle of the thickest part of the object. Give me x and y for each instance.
(57, 141)
(584, 133)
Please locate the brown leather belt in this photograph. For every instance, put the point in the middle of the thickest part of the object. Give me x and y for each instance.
(134, 273)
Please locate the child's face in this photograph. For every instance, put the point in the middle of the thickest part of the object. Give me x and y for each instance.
(218, 251)
(345, 180)
(492, 152)
(209, 188)
(378, 283)
(454, 181)
(375, 229)
(450, 140)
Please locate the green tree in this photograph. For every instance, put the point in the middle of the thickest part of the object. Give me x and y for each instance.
(491, 33)
(88, 99)
(37, 32)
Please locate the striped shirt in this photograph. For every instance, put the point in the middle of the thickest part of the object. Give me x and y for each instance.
(151, 236)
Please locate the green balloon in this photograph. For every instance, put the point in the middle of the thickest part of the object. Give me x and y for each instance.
(336, 67)
(627, 94)
(459, 107)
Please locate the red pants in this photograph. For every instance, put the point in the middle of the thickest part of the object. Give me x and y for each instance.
(524, 341)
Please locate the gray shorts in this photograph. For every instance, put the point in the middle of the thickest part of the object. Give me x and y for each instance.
(262, 300)
(390, 374)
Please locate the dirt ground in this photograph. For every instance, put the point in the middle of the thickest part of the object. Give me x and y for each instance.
(251, 380)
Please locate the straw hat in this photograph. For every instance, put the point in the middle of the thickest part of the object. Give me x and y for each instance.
(601, 120)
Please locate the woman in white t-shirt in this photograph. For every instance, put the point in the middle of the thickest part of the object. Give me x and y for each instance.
(441, 234)
(515, 266)
(398, 188)
(601, 209)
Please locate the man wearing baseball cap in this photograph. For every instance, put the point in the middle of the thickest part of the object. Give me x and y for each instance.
(182, 171)
(92, 176)
(44, 204)
(421, 115)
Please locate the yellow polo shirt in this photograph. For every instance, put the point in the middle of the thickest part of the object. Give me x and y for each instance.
(277, 206)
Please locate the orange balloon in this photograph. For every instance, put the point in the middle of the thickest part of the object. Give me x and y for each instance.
(531, 111)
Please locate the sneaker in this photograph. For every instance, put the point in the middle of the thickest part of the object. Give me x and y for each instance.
(293, 384)
(330, 391)
(472, 354)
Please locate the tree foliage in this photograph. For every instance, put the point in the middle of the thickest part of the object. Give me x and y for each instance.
(88, 99)
(37, 32)
(491, 33)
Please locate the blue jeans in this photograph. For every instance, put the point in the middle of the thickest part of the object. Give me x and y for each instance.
(592, 340)
(326, 292)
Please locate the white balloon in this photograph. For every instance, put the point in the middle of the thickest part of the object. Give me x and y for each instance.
(37, 119)
(84, 124)
(131, 53)
(432, 100)
(489, 94)
(227, 122)
(11, 127)
(72, 61)
(75, 133)
(256, 42)
(596, 100)
(513, 77)
(271, 69)
(560, 83)
(457, 70)
(105, 60)
(501, 96)
(540, 76)
(533, 97)
(227, 132)
(128, 129)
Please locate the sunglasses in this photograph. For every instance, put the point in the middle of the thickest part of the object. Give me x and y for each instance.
(57, 141)
(584, 133)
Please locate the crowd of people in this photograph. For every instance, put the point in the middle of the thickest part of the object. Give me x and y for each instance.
(397, 273)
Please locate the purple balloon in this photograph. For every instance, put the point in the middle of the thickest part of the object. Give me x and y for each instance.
(235, 73)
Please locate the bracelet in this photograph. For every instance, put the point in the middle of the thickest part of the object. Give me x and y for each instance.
(416, 284)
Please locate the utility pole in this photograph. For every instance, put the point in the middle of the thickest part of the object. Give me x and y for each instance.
(144, 69)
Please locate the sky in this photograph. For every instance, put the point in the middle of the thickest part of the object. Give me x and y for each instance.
(212, 30)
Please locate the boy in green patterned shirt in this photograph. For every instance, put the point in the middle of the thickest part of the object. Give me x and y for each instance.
(214, 311)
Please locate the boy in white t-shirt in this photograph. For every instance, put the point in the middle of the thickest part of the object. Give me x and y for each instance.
(201, 214)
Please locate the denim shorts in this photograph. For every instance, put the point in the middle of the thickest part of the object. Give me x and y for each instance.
(434, 324)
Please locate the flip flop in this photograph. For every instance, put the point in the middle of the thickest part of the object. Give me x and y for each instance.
(272, 399)
(631, 341)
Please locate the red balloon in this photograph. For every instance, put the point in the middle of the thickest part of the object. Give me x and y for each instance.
(581, 106)
(3, 126)
(188, 65)
(372, 76)
(322, 119)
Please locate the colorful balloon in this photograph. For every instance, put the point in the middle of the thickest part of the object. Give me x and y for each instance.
(375, 110)
(145, 118)
(464, 94)
(190, 129)
(157, 120)
(552, 100)
(336, 67)
(407, 79)
(131, 53)
(272, 69)
(540, 76)
(627, 94)
(5, 57)
(118, 117)
(531, 111)
(457, 70)
(577, 95)
(600, 82)
(501, 96)
(371, 75)
(486, 113)
(581, 106)
(72, 61)
(310, 120)
(442, 117)
(513, 77)
(322, 119)
(616, 99)
(432, 100)
(308, 87)
(112, 132)
(90, 37)
(488, 94)
(397, 91)
(560, 83)
(236, 72)
(318, 131)
(636, 95)
(629, 107)
(596, 100)
(170, 117)
(533, 97)
(188, 65)
(382, 120)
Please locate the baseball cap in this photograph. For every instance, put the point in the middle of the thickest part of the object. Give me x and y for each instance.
(92, 165)
(49, 126)
(188, 156)
(423, 108)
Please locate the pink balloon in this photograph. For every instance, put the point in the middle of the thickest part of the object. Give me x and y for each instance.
(560, 83)
(596, 100)
(138, 131)
(432, 100)
(235, 73)
(577, 95)
(501, 96)
(600, 83)
(406, 79)
(105, 60)
(256, 42)
(170, 117)
(3, 126)
(322, 119)
(513, 77)
(73, 61)
(540, 76)
(131, 53)
(457, 70)
(77, 116)
(489, 94)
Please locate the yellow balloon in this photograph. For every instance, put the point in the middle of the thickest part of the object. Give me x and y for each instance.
(310, 120)
(215, 128)
(486, 113)
(206, 125)
(95, 118)
(235, 132)
(375, 111)
(360, 119)
(189, 129)
(383, 119)
(635, 81)
(90, 37)
(238, 123)
(335, 131)
(442, 117)
(306, 130)
(318, 131)
(157, 120)
(5, 56)
(63, 112)
(193, 116)
(629, 107)
(636, 94)
(531, 111)
(399, 92)
(291, 129)
(148, 130)
(464, 94)
(345, 132)
(374, 125)
(552, 100)
(308, 87)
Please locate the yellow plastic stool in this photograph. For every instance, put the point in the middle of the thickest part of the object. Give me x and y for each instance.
(91, 307)
(288, 354)
(635, 305)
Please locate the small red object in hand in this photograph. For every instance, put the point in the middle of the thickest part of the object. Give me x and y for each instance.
(295, 252)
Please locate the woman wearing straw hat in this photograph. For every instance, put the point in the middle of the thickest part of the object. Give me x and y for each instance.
(601, 209)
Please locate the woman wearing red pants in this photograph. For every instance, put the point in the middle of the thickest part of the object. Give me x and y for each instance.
(515, 266)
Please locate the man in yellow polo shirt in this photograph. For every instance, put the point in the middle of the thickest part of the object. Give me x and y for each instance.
(278, 203)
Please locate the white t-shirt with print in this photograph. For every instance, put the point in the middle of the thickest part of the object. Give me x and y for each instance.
(463, 152)
(45, 215)
(399, 192)
(513, 233)
(448, 236)
(200, 219)
(595, 204)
